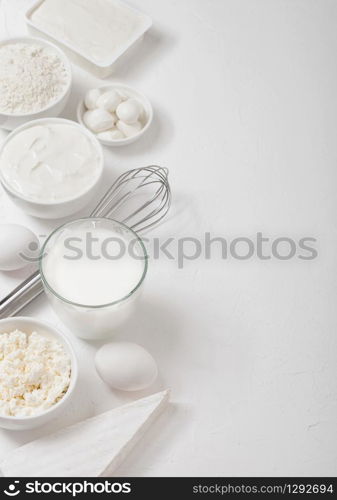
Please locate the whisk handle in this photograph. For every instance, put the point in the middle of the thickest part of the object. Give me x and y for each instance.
(21, 296)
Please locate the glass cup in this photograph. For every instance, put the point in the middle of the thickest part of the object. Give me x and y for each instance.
(92, 271)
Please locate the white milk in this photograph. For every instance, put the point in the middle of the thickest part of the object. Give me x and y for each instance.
(91, 269)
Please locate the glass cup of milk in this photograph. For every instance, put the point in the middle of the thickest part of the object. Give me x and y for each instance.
(92, 270)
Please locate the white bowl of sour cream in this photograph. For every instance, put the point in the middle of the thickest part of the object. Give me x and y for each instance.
(51, 167)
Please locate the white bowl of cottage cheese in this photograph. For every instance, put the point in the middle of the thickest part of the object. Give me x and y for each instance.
(35, 80)
(38, 373)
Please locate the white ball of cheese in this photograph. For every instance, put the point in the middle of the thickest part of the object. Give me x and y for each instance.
(109, 100)
(18, 247)
(111, 135)
(129, 130)
(99, 120)
(126, 366)
(129, 111)
(91, 98)
(123, 94)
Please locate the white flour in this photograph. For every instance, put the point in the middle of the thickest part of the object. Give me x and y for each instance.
(32, 76)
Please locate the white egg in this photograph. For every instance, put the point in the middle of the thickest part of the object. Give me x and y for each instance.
(109, 100)
(111, 135)
(126, 366)
(129, 111)
(129, 130)
(99, 120)
(91, 98)
(18, 247)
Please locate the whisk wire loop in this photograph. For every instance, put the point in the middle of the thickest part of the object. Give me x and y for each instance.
(128, 185)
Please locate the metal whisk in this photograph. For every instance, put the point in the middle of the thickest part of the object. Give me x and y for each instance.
(150, 182)
(130, 184)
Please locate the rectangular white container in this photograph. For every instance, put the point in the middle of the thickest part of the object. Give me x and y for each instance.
(81, 59)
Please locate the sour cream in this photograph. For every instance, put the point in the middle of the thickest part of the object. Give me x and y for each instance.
(52, 162)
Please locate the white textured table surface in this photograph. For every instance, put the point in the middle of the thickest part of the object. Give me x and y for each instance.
(244, 93)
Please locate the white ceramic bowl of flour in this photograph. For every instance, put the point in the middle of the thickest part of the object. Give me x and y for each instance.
(51, 168)
(35, 80)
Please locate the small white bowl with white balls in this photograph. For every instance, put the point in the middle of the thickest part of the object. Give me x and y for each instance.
(118, 115)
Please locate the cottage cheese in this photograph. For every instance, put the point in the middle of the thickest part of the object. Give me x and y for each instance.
(34, 373)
